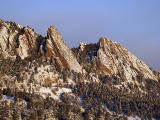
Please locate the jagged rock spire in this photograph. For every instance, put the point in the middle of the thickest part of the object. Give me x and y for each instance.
(16, 40)
(56, 47)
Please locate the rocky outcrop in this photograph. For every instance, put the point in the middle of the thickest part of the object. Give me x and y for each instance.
(113, 58)
(16, 40)
(56, 48)
(82, 46)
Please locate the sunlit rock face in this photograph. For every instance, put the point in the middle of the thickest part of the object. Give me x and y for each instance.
(56, 48)
(113, 58)
(16, 40)
(82, 46)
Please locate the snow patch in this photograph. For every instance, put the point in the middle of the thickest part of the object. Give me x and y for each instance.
(8, 97)
(133, 118)
(57, 93)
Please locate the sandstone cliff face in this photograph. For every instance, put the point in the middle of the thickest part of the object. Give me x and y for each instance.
(113, 58)
(57, 48)
(16, 40)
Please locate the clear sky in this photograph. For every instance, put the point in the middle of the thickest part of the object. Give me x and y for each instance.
(133, 23)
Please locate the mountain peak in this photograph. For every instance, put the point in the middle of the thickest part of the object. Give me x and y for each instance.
(116, 59)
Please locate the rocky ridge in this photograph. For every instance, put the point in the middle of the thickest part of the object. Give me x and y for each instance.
(16, 40)
(113, 58)
(41, 78)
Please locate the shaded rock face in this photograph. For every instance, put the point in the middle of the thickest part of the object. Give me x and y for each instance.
(56, 48)
(16, 40)
(113, 58)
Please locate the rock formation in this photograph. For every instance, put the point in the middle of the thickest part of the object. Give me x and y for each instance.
(113, 58)
(114, 83)
(56, 47)
(82, 46)
(16, 40)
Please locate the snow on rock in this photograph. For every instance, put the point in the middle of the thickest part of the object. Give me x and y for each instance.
(129, 117)
(45, 92)
(43, 73)
(94, 77)
(134, 118)
(110, 112)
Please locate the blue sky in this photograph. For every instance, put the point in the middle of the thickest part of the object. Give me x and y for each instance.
(133, 23)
